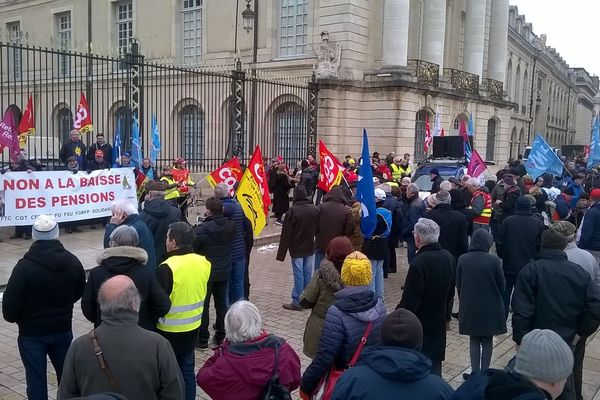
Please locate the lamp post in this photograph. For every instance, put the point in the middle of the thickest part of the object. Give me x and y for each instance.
(250, 20)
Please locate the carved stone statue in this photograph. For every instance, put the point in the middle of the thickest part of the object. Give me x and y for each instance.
(329, 55)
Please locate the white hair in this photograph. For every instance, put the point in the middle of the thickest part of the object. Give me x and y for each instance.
(427, 230)
(387, 188)
(242, 322)
(124, 206)
(473, 182)
(446, 185)
(127, 300)
(221, 191)
(413, 188)
(124, 235)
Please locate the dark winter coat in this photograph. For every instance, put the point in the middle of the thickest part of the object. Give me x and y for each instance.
(376, 248)
(158, 214)
(146, 239)
(213, 241)
(95, 166)
(389, 372)
(519, 240)
(428, 287)
(233, 210)
(308, 180)
(318, 296)
(454, 229)
(42, 288)
(106, 150)
(480, 284)
(435, 185)
(299, 228)
(509, 200)
(493, 384)
(590, 229)
(395, 206)
(128, 261)
(241, 370)
(414, 208)
(335, 218)
(555, 293)
(75, 149)
(345, 324)
(281, 188)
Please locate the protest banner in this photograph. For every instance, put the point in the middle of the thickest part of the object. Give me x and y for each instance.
(331, 173)
(67, 196)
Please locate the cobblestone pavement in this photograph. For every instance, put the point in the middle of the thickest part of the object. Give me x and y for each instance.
(271, 287)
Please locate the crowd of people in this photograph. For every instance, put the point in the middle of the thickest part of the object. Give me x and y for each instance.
(149, 296)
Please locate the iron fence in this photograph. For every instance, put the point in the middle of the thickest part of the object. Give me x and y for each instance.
(203, 116)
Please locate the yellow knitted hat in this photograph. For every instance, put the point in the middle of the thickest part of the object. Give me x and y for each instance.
(356, 270)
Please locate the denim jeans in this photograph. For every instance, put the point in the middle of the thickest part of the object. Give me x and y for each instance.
(506, 296)
(186, 364)
(302, 268)
(319, 256)
(236, 280)
(33, 351)
(377, 281)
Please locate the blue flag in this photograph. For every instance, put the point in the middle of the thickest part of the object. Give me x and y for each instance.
(594, 157)
(365, 191)
(136, 146)
(116, 154)
(468, 150)
(470, 127)
(542, 159)
(155, 141)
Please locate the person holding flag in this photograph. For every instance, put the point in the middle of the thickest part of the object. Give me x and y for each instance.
(181, 174)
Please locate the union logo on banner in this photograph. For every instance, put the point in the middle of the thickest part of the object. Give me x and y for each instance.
(331, 171)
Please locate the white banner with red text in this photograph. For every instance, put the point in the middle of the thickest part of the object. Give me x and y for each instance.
(67, 196)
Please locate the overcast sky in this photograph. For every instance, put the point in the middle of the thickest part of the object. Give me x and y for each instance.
(572, 28)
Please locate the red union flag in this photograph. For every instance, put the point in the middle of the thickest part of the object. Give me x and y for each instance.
(476, 165)
(428, 137)
(27, 124)
(257, 169)
(229, 173)
(83, 118)
(9, 136)
(331, 171)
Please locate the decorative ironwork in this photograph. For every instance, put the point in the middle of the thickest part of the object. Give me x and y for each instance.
(237, 90)
(313, 98)
(135, 62)
(493, 87)
(462, 81)
(425, 72)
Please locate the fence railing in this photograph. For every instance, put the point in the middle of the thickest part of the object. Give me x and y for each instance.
(463, 81)
(204, 116)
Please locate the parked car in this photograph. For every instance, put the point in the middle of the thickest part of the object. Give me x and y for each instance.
(447, 168)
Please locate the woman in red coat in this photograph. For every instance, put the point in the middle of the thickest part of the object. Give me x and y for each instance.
(243, 365)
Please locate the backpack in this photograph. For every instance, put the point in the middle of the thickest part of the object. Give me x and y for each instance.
(275, 390)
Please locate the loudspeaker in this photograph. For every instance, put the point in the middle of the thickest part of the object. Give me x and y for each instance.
(449, 146)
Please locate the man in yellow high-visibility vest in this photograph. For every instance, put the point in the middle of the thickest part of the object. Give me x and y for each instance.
(184, 276)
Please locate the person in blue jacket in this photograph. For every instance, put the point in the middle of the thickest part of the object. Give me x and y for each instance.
(395, 369)
(589, 234)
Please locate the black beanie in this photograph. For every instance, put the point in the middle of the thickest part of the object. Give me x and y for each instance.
(402, 328)
(523, 205)
(553, 240)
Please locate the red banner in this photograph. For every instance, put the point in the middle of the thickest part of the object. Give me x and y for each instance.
(27, 124)
(9, 136)
(83, 118)
(331, 172)
(476, 165)
(257, 169)
(229, 173)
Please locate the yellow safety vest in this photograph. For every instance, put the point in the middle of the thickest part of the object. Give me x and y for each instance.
(399, 172)
(190, 276)
(172, 193)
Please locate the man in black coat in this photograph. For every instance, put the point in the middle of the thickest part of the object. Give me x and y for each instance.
(39, 297)
(454, 226)
(298, 236)
(428, 288)
(100, 145)
(518, 242)
(74, 148)
(413, 209)
(213, 241)
(436, 180)
(158, 214)
(553, 293)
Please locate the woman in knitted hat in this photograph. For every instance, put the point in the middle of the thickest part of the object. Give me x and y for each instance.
(356, 307)
(319, 294)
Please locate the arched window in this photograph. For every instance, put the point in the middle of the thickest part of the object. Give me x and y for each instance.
(64, 124)
(509, 82)
(419, 150)
(513, 142)
(525, 92)
(457, 121)
(491, 140)
(290, 131)
(517, 96)
(522, 142)
(122, 125)
(191, 130)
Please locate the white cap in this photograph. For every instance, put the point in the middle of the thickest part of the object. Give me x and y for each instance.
(45, 227)
(379, 194)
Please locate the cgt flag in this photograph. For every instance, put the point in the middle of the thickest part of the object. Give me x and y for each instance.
(83, 118)
(365, 193)
(476, 165)
(428, 138)
(27, 124)
(229, 173)
(332, 171)
(251, 193)
(542, 158)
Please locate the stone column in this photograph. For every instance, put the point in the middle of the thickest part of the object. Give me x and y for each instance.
(434, 32)
(395, 33)
(498, 43)
(474, 37)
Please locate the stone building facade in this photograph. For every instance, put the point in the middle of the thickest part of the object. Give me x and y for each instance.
(385, 65)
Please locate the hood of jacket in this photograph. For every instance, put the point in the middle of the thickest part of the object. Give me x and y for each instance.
(396, 363)
(335, 195)
(158, 208)
(481, 241)
(47, 253)
(330, 275)
(360, 302)
(122, 258)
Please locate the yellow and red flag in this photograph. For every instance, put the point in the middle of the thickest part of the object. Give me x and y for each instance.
(27, 125)
(332, 171)
(83, 118)
(253, 193)
(229, 173)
